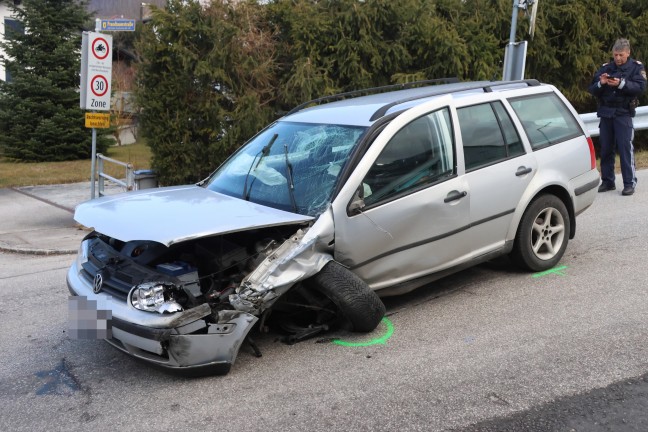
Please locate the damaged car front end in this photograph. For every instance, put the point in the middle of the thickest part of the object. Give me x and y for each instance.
(186, 272)
(190, 305)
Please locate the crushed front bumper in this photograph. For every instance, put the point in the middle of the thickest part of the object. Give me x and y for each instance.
(184, 341)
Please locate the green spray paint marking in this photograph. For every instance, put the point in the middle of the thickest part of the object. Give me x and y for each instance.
(555, 270)
(378, 341)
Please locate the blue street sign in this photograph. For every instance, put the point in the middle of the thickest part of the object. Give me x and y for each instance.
(118, 25)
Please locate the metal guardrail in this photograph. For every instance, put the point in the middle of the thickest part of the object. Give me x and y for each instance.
(127, 184)
(592, 122)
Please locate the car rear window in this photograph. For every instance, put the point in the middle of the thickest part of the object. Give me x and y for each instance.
(546, 119)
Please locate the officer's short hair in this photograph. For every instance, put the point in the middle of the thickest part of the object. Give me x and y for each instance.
(621, 45)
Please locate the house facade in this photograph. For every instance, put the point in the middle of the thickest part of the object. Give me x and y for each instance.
(7, 21)
(105, 9)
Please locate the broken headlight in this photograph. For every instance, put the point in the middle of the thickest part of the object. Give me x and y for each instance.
(82, 254)
(154, 297)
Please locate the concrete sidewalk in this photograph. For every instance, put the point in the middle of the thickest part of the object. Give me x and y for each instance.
(39, 219)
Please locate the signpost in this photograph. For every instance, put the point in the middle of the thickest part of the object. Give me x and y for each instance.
(96, 73)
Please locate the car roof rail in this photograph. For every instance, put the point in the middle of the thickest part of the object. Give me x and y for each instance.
(487, 88)
(373, 90)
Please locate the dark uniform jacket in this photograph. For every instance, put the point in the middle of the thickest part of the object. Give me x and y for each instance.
(618, 101)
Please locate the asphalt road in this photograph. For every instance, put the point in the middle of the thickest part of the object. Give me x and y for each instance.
(488, 349)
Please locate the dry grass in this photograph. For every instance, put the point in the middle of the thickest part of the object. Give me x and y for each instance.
(641, 161)
(43, 173)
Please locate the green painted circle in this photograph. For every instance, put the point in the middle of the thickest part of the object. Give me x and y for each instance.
(378, 341)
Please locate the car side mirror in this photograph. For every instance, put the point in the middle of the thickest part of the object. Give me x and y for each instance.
(357, 202)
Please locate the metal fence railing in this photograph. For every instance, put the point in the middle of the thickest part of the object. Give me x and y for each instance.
(592, 122)
(128, 181)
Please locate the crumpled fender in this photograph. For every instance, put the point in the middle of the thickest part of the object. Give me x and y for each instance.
(299, 257)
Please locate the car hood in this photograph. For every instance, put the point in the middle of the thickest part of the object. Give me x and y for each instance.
(174, 214)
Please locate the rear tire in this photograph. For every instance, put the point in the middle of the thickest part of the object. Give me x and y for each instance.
(356, 303)
(542, 235)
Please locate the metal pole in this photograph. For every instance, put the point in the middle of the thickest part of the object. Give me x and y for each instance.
(508, 66)
(93, 161)
(93, 158)
(100, 171)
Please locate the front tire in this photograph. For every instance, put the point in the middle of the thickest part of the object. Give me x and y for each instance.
(542, 235)
(356, 303)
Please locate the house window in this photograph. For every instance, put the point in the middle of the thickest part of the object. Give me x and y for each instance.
(12, 27)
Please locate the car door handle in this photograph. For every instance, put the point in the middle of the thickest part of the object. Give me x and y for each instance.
(454, 195)
(522, 171)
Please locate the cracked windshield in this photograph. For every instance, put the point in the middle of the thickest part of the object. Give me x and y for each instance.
(289, 166)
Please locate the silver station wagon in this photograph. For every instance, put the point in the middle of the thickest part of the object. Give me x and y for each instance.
(343, 200)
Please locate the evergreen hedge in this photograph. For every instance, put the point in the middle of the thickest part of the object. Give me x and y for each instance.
(211, 76)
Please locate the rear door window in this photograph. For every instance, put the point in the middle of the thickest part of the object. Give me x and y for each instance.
(546, 119)
(488, 135)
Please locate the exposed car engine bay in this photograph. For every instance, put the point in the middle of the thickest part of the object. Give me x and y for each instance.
(205, 270)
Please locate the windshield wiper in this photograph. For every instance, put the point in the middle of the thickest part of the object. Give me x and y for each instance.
(263, 153)
(291, 184)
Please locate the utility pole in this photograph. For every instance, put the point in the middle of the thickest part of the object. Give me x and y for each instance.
(508, 58)
(515, 54)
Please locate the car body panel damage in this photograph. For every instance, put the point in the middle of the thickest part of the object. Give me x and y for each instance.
(301, 256)
(216, 350)
(203, 213)
(208, 331)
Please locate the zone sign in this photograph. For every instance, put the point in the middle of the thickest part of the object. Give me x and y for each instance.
(96, 71)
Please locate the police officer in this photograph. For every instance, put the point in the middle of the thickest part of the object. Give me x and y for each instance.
(617, 85)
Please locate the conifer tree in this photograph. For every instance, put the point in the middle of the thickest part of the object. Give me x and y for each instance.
(40, 117)
(205, 84)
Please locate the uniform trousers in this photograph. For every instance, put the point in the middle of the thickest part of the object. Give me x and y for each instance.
(617, 132)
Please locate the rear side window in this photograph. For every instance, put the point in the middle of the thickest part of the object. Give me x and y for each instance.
(546, 119)
(488, 134)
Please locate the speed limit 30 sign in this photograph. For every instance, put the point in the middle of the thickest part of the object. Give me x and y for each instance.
(96, 70)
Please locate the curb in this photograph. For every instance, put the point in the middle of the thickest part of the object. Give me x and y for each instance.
(31, 251)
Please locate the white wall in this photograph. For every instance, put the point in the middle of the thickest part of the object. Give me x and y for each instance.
(3, 13)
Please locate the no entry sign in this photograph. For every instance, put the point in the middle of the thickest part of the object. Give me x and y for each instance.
(96, 70)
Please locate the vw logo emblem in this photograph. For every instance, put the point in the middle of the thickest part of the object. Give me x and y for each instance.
(97, 283)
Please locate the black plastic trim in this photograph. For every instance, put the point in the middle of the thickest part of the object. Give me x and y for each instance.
(433, 239)
(412, 284)
(586, 187)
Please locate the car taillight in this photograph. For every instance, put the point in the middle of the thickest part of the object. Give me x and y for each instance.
(592, 153)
